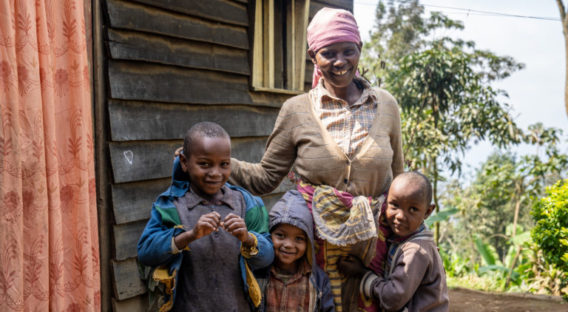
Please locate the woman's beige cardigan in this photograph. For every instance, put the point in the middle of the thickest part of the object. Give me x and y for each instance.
(300, 139)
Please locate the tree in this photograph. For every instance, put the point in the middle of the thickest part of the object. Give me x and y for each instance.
(443, 86)
(564, 20)
(551, 230)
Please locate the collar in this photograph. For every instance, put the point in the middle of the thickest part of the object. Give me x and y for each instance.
(396, 239)
(224, 196)
(320, 92)
(304, 269)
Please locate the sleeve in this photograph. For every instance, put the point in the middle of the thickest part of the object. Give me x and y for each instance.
(256, 220)
(261, 178)
(154, 246)
(395, 291)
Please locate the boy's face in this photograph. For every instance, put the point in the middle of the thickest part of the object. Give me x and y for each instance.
(209, 165)
(407, 207)
(290, 245)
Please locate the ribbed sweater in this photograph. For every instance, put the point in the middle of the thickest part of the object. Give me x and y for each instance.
(300, 139)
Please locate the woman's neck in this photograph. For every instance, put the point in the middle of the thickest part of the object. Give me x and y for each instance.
(349, 94)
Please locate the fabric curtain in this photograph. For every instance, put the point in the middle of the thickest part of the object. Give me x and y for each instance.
(49, 252)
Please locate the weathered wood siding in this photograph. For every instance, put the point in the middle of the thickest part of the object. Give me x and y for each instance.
(168, 65)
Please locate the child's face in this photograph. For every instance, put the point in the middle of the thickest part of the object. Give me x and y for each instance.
(407, 207)
(290, 245)
(209, 165)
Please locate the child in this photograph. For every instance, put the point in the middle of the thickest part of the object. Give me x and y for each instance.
(294, 282)
(200, 234)
(414, 278)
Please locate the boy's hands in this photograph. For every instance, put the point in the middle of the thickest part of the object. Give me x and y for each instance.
(236, 226)
(206, 224)
(351, 266)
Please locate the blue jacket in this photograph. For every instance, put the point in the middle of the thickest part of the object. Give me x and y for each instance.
(292, 209)
(154, 246)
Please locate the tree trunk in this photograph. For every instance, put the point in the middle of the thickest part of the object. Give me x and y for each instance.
(564, 20)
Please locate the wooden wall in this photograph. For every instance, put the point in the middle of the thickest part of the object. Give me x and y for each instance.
(167, 64)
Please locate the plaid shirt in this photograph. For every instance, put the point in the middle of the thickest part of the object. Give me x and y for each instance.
(289, 292)
(347, 124)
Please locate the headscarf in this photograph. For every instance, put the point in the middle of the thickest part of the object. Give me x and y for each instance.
(331, 26)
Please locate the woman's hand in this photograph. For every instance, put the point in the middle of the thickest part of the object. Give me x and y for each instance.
(178, 151)
(351, 266)
(237, 227)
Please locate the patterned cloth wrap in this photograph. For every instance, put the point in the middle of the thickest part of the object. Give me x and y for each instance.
(347, 225)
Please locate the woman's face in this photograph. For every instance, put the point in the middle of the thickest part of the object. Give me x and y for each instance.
(338, 63)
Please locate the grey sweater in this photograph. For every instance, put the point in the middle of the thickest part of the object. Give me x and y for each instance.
(300, 139)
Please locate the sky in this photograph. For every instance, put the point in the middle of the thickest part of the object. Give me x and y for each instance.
(536, 93)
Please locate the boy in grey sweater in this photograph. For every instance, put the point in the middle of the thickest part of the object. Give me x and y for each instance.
(414, 278)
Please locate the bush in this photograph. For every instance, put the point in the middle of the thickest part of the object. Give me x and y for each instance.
(551, 230)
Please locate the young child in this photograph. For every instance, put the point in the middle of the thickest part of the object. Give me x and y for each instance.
(414, 278)
(294, 282)
(206, 236)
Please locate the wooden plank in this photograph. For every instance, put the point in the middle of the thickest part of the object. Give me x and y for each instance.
(170, 51)
(258, 46)
(146, 121)
(137, 161)
(134, 304)
(126, 239)
(216, 10)
(127, 283)
(102, 166)
(268, 49)
(146, 82)
(138, 17)
(133, 201)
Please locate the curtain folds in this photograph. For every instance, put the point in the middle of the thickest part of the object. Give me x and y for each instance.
(49, 252)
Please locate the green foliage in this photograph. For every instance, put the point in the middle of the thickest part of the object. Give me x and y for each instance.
(446, 104)
(443, 215)
(551, 230)
(490, 228)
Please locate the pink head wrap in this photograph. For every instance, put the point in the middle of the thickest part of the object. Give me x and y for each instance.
(331, 26)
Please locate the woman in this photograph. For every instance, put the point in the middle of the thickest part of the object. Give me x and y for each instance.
(343, 139)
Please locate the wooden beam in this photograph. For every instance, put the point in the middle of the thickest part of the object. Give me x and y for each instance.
(215, 10)
(132, 16)
(102, 165)
(126, 238)
(137, 161)
(268, 49)
(127, 282)
(147, 121)
(136, 46)
(134, 304)
(132, 202)
(146, 82)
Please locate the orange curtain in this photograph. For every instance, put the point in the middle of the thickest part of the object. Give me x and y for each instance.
(49, 254)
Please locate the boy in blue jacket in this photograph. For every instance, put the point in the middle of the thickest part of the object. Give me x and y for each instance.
(294, 282)
(205, 236)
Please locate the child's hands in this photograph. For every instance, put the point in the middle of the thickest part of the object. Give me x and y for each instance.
(237, 227)
(351, 266)
(206, 224)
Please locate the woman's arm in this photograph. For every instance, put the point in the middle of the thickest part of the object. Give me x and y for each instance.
(279, 156)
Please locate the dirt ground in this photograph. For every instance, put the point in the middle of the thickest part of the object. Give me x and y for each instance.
(466, 300)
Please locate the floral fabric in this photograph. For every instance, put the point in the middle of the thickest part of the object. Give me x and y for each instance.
(49, 250)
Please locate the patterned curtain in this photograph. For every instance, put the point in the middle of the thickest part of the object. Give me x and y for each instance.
(49, 254)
